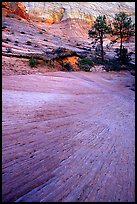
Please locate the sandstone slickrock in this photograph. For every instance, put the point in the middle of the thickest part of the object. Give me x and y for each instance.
(66, 136)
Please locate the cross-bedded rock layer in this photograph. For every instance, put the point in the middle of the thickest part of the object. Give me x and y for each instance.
(55, 12)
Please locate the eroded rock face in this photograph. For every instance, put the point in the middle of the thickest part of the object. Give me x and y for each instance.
(14, 8)
(55, 12)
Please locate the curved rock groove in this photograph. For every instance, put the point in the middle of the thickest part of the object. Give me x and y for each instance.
(78, 146)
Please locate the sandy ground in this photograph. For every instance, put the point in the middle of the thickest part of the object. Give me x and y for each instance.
(68, 137)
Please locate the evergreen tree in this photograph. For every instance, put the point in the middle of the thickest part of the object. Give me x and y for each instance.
(123, 28)
(98, 30)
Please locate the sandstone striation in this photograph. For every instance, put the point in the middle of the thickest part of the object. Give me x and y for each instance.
(58, 11)
(67, 136)
(55, 12)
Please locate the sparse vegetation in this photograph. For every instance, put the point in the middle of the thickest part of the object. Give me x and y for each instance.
(123, 28)
(49, 62)
(33, 62)
(78, 44)
(68, 66)
(98, 30)
(22, 32)
(97, 60)
(3, 27)
(6, 40)
(122, 55)
(59, 50)
(86, 64)
(112, 65)
(8, 50)
(28, 43)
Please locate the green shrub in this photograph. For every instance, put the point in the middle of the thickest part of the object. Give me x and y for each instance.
(33, 62)
(86, 60)
(86, 63)
(112, 65)
(124, 57)
(97, 60)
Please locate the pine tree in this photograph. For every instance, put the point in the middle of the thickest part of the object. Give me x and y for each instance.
(98, 30)
(123, 28)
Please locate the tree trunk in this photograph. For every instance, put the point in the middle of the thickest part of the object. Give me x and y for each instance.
(101, 43)
(121, 37)
(121, 49)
